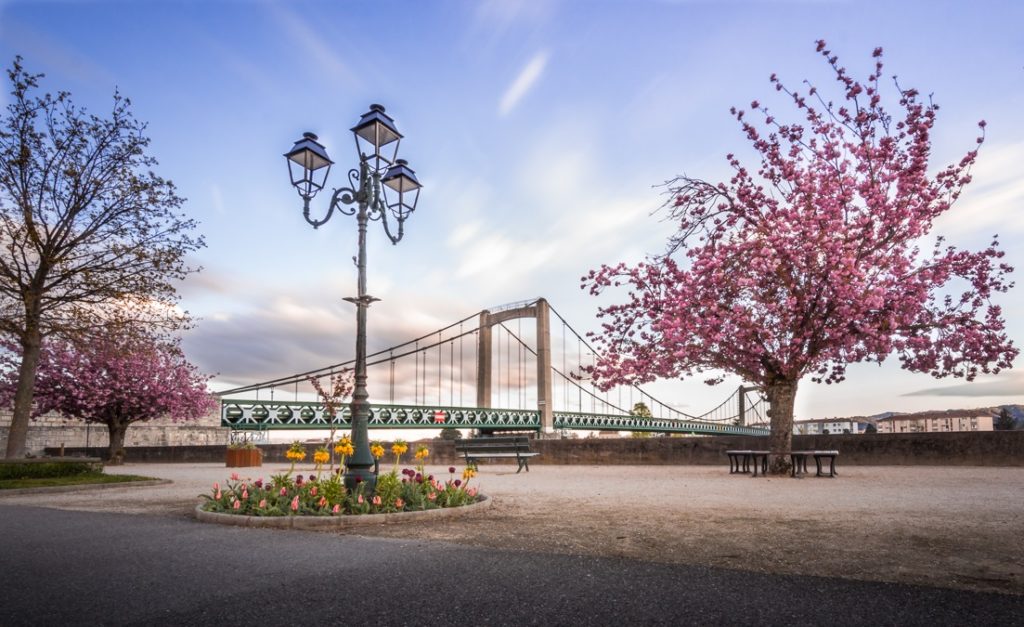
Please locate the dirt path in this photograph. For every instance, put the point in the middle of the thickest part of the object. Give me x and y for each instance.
(938, 526)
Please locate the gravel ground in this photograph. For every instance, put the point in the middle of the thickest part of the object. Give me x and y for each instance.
(936, 526)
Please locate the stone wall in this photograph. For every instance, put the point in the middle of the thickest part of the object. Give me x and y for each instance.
(52, 431)
(993, 448)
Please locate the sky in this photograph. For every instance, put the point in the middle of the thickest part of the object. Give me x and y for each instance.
(540, 130)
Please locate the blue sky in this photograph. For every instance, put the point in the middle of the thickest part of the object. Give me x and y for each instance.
(538, 130)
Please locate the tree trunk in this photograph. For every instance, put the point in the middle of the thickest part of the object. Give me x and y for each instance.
(117, 429)
(781, 396)
(17, 434)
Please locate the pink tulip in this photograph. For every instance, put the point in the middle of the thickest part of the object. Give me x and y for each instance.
(322, 502)
(313, 491)
(359, 499)
(284, 491)
(295, 503)
(399, 503)
(263, 503)
(218, 495)
(337, 508)
(245, 494)
(376, 501)
(234, 476)
(237, 505)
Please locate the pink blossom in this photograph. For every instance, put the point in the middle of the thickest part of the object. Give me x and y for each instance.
(217, 495)
(263, 503)
(295, 503)
(376, 501)
(336, 508)
(245, 494)
(234, 476)
(283, 491)
(312, 491)
(237, 505)
(359, 499)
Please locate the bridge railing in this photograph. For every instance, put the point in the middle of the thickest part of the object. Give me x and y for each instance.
(255, 415)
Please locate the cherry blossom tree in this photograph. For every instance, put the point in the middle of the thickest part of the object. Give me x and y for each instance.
(116, 379)
(816, 260)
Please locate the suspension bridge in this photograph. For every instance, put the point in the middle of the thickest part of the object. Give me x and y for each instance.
(488, 372)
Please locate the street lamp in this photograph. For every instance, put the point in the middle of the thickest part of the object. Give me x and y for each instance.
(383, 188)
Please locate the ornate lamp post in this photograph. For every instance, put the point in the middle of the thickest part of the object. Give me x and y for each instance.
(383, 188)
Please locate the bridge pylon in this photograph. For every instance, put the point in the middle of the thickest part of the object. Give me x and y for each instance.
(541, 312)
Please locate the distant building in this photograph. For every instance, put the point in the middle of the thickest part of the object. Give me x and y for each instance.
(823, 426)
(936, 422)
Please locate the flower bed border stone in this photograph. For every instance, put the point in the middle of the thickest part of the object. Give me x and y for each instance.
(339, 522)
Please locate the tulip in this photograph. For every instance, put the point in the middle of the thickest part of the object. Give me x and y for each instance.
(245, 494)
(234, 476)
(399, 503)
(359, 499)
(263, 503)
(217, 495)
(284, 491)
(376, 501)
(451, 469)
(237, 505)
(337, 508)
(295, 503)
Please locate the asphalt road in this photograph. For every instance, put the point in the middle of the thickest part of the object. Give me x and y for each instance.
(87, 568)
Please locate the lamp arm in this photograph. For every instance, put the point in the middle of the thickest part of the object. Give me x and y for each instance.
(316, 223)
(401, 227)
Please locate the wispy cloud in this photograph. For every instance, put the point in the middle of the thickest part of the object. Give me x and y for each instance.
(1006, 384)
(992, 202)
(49, 54)
(312, 45)
(523, 83)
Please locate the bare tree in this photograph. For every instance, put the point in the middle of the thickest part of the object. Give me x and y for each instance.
(86, 228)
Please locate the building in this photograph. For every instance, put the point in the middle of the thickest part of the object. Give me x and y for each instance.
(825, 426)
(937, 422)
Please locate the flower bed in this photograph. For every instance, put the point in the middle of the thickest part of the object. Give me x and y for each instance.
(323, 493)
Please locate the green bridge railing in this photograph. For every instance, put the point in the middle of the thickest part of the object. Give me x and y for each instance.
(255, 415)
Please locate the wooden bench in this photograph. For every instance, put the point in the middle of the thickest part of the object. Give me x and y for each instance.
(497, 447)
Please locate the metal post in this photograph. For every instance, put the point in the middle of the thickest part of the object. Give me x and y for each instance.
(359, 467)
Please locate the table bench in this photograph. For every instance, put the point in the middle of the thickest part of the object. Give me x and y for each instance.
(799, 461)
(497, 447)
(744, 461)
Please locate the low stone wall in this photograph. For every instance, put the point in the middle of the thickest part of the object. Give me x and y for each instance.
(992, 448)
(50, 431)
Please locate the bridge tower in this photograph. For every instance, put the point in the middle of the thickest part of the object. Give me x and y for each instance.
(540, 311)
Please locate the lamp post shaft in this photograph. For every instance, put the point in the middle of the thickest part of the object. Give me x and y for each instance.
(360, 465)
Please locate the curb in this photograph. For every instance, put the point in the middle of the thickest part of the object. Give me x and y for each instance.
(85, 487)
(339, 522)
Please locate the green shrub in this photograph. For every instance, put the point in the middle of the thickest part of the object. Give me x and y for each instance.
(31, 469)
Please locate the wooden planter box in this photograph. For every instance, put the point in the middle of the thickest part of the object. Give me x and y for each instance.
(242, 457)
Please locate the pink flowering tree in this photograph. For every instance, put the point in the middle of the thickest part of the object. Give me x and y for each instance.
(812, 261)
(116, 380)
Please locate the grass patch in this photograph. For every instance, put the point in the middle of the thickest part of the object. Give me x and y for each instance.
(81, 479)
